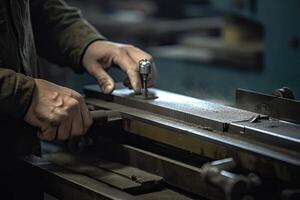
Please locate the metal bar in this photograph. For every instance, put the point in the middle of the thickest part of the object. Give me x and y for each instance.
(251, 155)
(272, 131)
(277, 107)
(128, 179)
(178, 174)
(191, 110)
(65, 184)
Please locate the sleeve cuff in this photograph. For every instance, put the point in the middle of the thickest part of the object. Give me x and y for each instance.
(24, 88)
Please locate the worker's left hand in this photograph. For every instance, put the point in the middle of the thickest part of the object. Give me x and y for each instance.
(100, 55)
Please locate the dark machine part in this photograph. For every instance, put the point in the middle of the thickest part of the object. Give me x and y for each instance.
(280, 105)
(284, 92)
(175, 147)
(207, 116)
(290, 194)
(234, 186)
(100, 117)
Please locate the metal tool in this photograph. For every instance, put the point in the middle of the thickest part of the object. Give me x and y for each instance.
(104, 115)
(78, 144)
(144, 70)
(234, 186)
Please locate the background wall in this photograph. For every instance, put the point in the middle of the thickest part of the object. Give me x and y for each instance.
(206, 49)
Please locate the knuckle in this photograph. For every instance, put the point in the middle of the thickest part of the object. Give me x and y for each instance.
(131, 71)
(76, 95)
(72, 103)
(54, 96)
(122, 52)
(150, 58)
(119, 50)
(129, 46)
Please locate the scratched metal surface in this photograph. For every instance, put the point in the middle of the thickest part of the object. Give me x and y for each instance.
(277, 132)
(228, 140)
(181, 107)
(276, 127)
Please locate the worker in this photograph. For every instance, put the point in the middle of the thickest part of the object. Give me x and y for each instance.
(33, 108)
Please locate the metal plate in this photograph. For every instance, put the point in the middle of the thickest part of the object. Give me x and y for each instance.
(176, 106)
(163, 126)
(281, 108)
(272, 131)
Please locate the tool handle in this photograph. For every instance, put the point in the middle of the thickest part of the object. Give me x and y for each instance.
(78, 144)
(103, 115)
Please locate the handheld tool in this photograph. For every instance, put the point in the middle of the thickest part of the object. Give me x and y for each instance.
(78, 144)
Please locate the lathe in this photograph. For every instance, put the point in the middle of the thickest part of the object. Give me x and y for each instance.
(177, 147)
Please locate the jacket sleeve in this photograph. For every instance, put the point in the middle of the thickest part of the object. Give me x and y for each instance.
(16, 92)
(61, 34)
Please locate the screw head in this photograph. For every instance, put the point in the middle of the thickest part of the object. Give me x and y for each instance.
(144, 67)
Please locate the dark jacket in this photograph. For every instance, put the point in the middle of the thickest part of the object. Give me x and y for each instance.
(28, 29)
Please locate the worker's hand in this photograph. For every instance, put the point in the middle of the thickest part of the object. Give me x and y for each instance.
(59, 112)
(100, 55)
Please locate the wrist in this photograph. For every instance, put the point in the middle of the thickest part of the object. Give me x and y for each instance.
(88, 52)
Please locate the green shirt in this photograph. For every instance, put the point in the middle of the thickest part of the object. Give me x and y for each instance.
(28, 29)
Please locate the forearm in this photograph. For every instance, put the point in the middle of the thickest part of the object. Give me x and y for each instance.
(15, 93)
(61, 34)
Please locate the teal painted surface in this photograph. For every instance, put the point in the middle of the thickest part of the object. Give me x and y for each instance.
(281, 62)
(206, 81)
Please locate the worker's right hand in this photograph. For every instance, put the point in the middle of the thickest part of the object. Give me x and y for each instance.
(59, 112)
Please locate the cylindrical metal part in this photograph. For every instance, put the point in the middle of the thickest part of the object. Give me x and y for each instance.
(144, 67)
(144, 70)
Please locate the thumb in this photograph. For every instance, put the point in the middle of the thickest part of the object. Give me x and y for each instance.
(105, 81)
(32, 119)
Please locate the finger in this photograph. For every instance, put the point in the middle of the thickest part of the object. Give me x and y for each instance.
(51, 116)
(126, 82)
(49, 134)
(77, 124)
(32, 119)
(128, 65)
(64, 130)
(56, 117)
(86, 116)
(105, 81)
